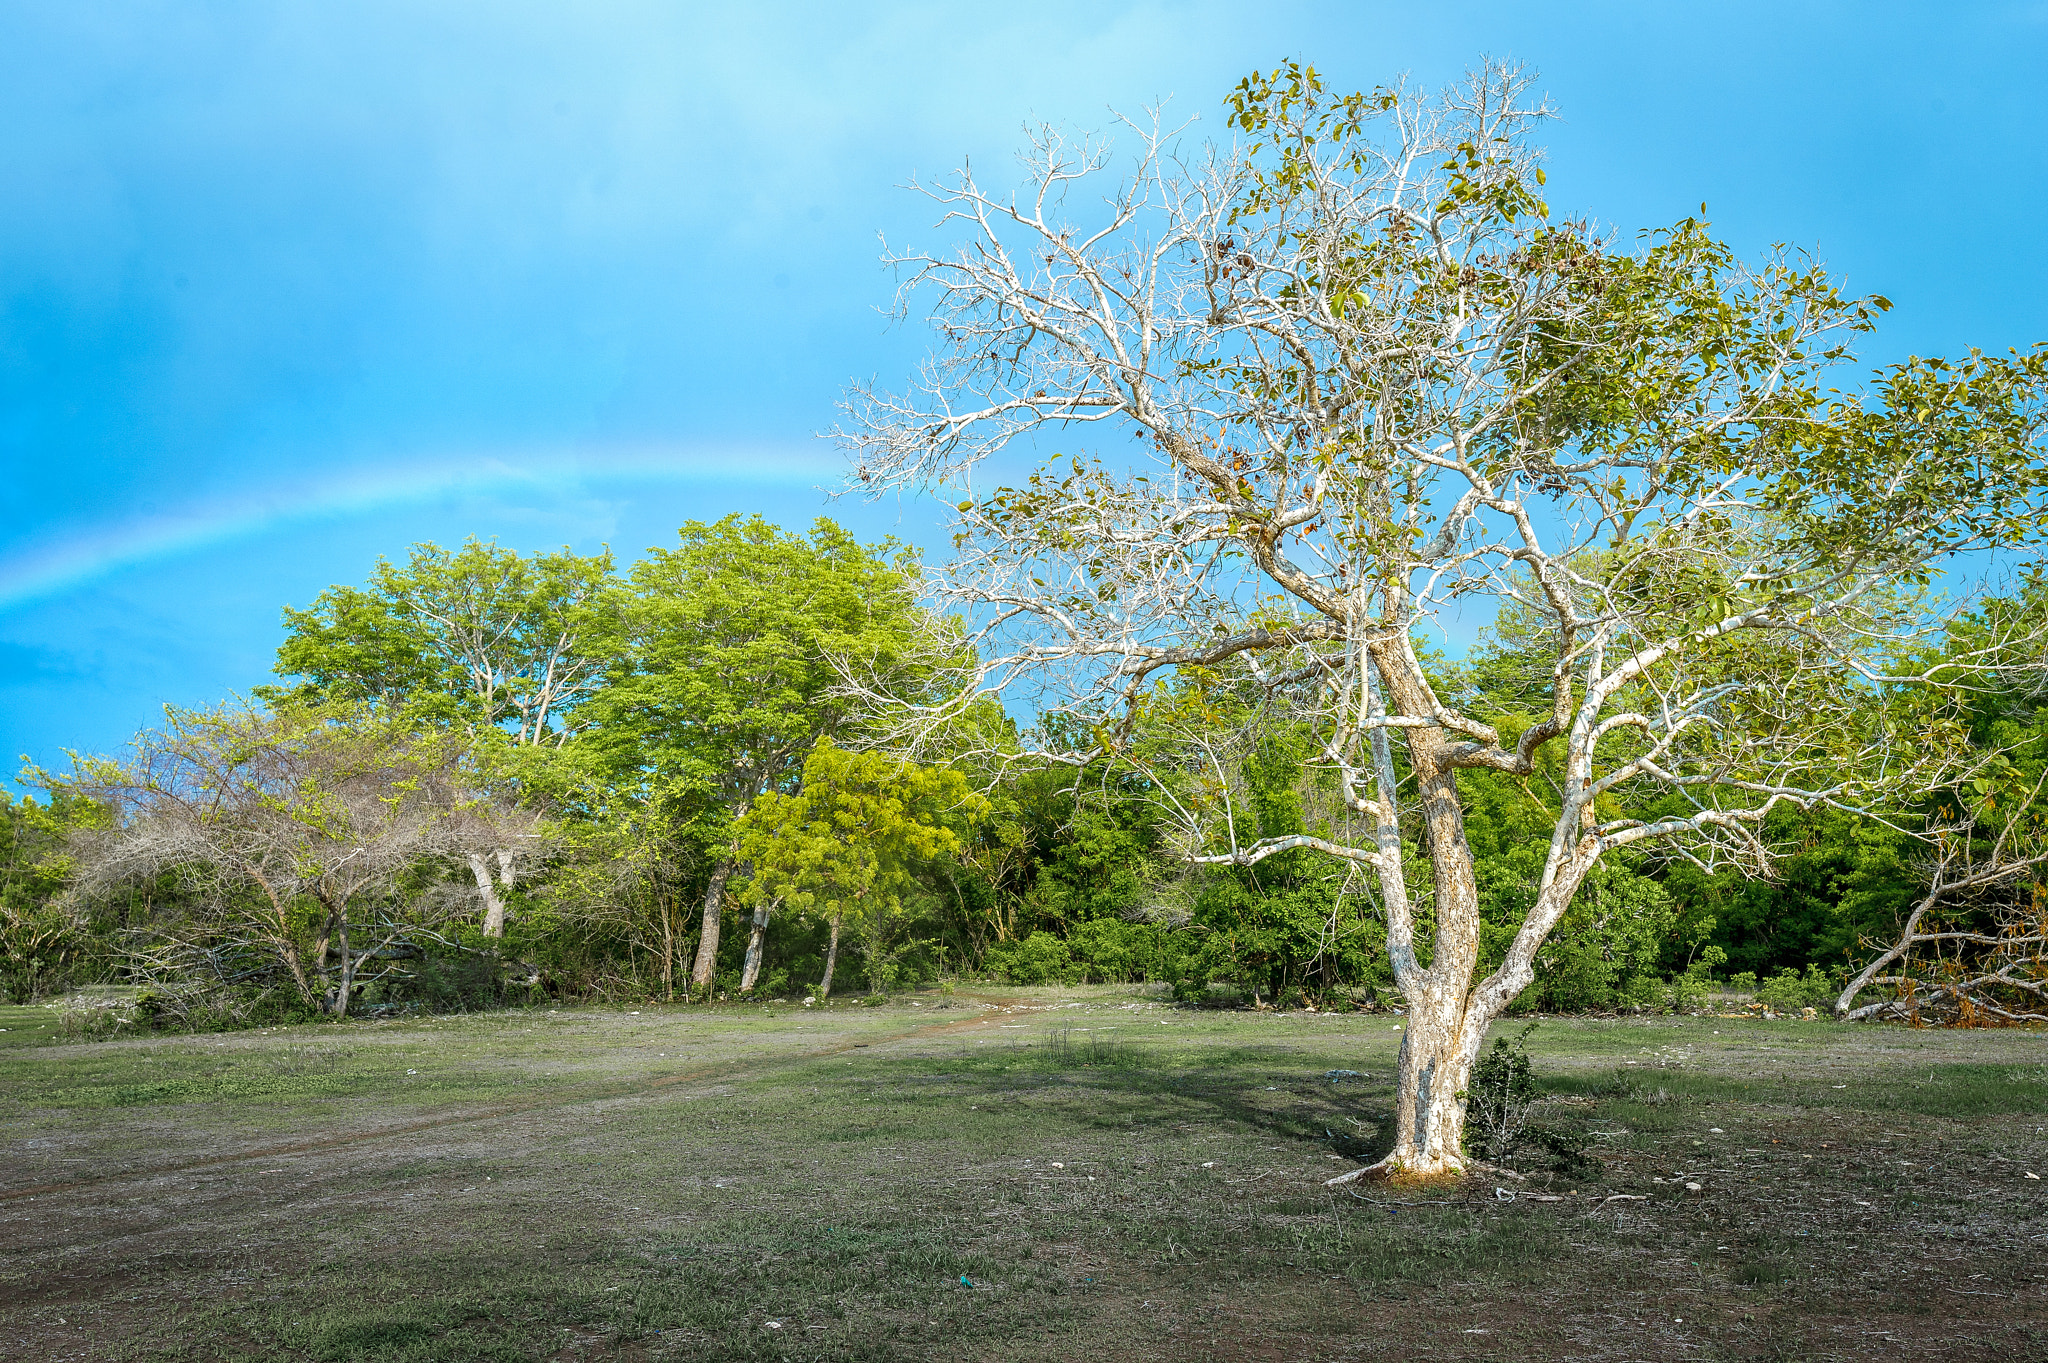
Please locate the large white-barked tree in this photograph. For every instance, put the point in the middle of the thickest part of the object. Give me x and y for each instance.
(1382, 392)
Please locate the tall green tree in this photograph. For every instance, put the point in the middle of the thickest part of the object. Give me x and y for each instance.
(736, 648)
(476, 633)
(41, 937)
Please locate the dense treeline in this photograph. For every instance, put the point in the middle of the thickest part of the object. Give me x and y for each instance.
(484, 778)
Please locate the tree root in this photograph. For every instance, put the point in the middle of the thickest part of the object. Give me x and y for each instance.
(1389, 1167)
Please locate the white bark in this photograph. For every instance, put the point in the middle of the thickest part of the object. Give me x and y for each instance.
(755, 941)
(487, 887)
(1373, 385)
(831, 957)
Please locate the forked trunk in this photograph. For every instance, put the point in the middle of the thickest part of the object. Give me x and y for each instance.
(288, 943)
(1438, 1049)
(831, 960)
(707, 944)
(494, 903)
(348, 970)
(752, 972)
(1446, 1023)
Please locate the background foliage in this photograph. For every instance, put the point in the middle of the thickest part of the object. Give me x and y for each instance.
(696, 701)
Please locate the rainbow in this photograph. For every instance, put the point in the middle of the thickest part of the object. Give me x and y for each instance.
(62, 563)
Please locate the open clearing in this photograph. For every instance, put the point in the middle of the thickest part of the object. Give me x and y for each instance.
(1023, 1174)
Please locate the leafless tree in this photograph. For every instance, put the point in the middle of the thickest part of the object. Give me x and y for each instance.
(1381, 394)
(1973, 949)
(306, 835)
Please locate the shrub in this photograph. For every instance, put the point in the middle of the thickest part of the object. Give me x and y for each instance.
(1040, 958)
(449, 984)
(1788, 990)
(1497, 1103)
(1505, 1117)
(1110, 949)
(1689, 990)
(1201, 993)
(1092, 1050)
(206, 1006)
(91, 1017)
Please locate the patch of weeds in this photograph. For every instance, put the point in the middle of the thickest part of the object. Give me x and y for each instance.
(1760, 1273)
(370, 1337)
(1961, 1091)
(1497, 1102)
(1369, 1139)
(304, 1059)
(288, 1083)
(96, 1016)
(1434, 1245)
(1507, 1121)
(1762, 1260)
(461, 1168)
(1064, 1050)
(871, 1131)
(1560, 1144)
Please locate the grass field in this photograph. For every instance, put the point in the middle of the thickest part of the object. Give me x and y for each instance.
(1026, 1175)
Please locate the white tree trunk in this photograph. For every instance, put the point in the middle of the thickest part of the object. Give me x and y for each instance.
(339, 1008)
(1438, 1049)
(494, 902)
(752, 973)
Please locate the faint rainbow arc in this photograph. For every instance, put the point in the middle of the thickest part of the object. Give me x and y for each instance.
(38, 572)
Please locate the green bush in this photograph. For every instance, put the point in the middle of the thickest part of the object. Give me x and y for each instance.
(1111, 949)
(1040, 958)
(1602, 954)
(1788, 990)
(1200, 993)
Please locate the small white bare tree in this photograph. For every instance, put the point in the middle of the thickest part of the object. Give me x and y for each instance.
(298, 830)
(1381, 392)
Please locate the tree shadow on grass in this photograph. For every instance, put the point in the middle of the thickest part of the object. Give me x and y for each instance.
(1350, 1115)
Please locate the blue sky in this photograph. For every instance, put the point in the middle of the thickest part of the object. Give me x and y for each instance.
(285, 287)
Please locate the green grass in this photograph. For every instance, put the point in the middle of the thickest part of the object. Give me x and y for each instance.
(31, 1024)
(1113, 1178)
